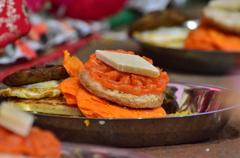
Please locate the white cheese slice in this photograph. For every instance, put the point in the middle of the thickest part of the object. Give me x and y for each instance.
(128, 63)
(17, 121)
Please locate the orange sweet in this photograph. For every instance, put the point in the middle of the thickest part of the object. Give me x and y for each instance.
(123, 81)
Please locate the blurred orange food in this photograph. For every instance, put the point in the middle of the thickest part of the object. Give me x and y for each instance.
(39, 143)
(208, 38)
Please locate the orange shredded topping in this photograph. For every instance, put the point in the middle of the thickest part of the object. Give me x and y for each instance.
(92, 106)
(69, 88)
(123, 81)
(39, 143)
(72, 64)
(208, 38)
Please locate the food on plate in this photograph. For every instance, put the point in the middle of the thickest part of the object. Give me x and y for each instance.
(219, 27)
(120, 97)
(130, 63)
(36, 75)
(92, 105)
(96, 89)
(223, 15)
(161, 28)
(57, 106)
(170, 37)
(19, 139)
(121, 87)
(216, 40)
(33, 91)
(40, 92)
(156, 19)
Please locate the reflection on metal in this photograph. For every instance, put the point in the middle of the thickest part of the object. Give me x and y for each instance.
(191, 24)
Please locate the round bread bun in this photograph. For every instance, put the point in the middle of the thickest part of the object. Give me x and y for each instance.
(223, 15)
(119, 97)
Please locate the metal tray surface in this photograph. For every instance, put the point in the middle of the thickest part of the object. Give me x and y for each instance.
(208, 101)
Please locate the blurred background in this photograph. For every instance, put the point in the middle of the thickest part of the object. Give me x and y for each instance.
(46, 27)
(158, 29)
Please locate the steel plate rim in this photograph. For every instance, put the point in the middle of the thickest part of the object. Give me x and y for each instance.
(168, 117)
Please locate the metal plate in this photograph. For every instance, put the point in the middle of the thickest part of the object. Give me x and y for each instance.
(191, 61)
(144, 132)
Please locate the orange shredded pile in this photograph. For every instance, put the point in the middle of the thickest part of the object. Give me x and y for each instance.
(39, 143)
(72, 64)
(69, 88)
(92, 106)
(126, 82)
(208, 38)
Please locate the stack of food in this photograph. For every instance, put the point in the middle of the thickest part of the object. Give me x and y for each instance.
(112, 84)
(219, 28)
(36, 89)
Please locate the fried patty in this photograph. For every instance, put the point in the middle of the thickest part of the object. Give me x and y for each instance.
(35, 75)
(119, 97)
(56, 106)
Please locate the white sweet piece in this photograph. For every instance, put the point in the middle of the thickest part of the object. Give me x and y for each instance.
(128, 63)
(17, 121)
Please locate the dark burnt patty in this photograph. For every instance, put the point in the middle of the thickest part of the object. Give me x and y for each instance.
(35, 75)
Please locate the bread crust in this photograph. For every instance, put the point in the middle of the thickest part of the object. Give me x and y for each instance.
(54, 106)
(119, 97)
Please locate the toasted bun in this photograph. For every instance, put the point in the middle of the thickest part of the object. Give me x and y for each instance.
(56, 106)
(223, 15)
(119, 97)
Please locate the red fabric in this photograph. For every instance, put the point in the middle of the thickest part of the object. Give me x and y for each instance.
(14, 23)
(35, 5)
(55, 54)
(88, 9)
